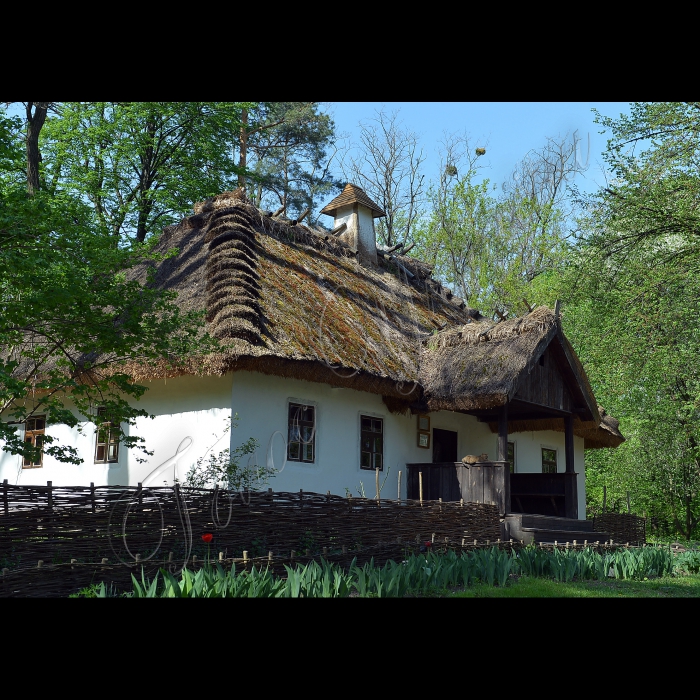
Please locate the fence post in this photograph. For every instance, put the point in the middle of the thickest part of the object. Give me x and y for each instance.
(420, 487)
(92, 495)
(6, 505)
(49, 485)
(399, 487)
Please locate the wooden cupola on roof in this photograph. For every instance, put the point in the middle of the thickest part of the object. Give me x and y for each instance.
(356, 211)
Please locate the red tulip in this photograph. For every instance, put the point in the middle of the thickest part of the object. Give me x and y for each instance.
(428, 544)
(208, 537)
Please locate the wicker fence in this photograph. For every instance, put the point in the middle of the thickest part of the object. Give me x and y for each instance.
(53, 540)
(622, 527)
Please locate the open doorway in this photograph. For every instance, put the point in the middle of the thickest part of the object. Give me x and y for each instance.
(444, 445)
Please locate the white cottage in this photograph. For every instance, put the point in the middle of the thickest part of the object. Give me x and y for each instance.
(342, 358)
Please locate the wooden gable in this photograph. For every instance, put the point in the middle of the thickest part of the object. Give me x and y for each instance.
(545, 384)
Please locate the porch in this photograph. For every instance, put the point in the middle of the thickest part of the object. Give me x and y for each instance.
(546, 494)
(553, 495)
(533, 507)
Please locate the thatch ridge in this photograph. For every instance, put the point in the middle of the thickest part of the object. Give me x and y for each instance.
(540, 320)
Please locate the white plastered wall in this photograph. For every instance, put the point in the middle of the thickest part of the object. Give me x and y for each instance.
(345, 215)
(261, 403)
(190, 414)
(366, 237)
(360, 234)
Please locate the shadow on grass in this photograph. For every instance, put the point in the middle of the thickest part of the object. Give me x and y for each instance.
(526, 587)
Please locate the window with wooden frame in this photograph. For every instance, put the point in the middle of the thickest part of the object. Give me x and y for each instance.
(549, 461)
(371, 442)
(107, 442)
(301, 440)
(34, 430)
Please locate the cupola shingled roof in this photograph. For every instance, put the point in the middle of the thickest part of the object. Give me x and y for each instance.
(350, 195)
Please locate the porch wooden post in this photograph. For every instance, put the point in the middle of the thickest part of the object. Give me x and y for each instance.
(571, 491)
(503, 433)
(503, 455)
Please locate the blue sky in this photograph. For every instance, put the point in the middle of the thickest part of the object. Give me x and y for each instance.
(508, 130)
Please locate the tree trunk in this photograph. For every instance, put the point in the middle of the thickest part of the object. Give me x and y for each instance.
(34, 123)
(243, 147)
(145, 206)
(142, 225)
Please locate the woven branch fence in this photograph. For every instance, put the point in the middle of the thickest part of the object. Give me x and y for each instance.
(57, 539)
(622, 527)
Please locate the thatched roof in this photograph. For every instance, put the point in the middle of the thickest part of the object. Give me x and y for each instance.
(352, 194)
(483, 365)
(288, 300)
(480, 365)
(607, 434)
(292, 301)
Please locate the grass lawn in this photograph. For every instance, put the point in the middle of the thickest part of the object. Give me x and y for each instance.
(526, 587)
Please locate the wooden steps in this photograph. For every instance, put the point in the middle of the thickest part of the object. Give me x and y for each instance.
(530, 528)
(562, 536)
